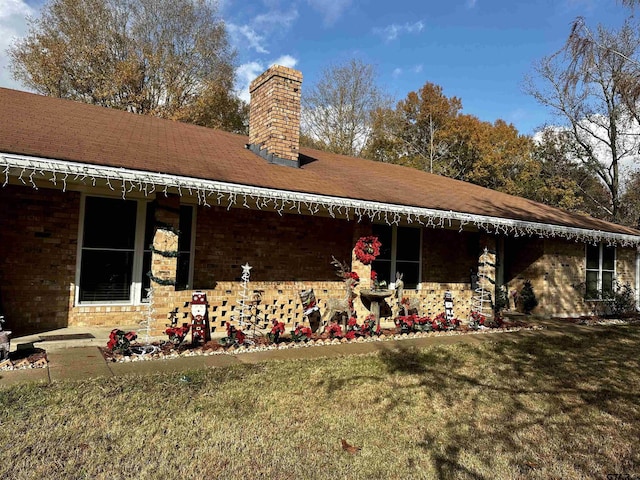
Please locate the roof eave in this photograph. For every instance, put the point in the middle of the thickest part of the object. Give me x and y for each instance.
(28, 169)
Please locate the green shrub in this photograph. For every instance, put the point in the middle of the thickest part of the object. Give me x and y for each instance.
(501, 301)
(527, 297)
(622, 300)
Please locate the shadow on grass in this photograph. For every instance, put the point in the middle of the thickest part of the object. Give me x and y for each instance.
(333, 385)
(581, 387)
(408, 360)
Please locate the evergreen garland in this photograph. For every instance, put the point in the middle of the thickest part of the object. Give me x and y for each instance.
(165, 253)
(161, 281)
(167, 226)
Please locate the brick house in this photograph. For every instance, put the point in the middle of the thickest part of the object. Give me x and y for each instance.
(97, 205)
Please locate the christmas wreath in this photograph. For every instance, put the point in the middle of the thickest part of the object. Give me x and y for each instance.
(367, 249)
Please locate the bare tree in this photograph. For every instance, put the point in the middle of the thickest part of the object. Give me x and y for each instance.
(585, 85)
(155, 57)
(337, 110)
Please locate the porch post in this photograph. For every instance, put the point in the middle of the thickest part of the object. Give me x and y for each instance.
(164, 256)
(362, 229)
(487, 263)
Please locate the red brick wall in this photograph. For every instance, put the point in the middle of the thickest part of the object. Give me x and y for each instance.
(38, 239)
(279, 248)
(38, 244)
(449, 255)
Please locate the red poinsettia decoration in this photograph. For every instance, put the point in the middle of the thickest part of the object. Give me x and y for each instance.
(234, 336)
(367, 249)
(277, 327)
(334, 330)
(177, 334)
(301, 333)
(120, 342)
(352, 276)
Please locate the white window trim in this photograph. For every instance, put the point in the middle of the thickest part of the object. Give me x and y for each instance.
(138, 253)
(136, 273)
(600, 257)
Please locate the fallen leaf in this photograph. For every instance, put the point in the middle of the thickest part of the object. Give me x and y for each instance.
(352, 449)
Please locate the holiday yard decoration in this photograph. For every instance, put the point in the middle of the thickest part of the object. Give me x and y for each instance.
(334, 330)
(343, 306)
(367, 249)
(376, 283)
(311, 309)
(481, 300)
(476, 320)
(177, 334)
(277, 329)
(199, 320)
(301, 333)
(120, 341)
(243, 302)
(234, 337)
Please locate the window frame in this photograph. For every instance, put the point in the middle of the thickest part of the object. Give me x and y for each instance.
(394, 254)
(135, 290)
(599, 271)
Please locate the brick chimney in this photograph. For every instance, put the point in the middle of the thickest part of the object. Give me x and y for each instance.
(274, 115)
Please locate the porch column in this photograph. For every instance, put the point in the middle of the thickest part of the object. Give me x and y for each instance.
(164, 257)
(487, 268)
(364, 271)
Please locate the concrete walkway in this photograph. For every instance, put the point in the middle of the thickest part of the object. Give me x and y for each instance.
(81, 361)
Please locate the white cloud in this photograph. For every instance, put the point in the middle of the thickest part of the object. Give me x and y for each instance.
(13, 25)
(393, 31)
(257, 32)
(471, 3)
(331, 10)
(276, 19)
(285, 61)
(247, 72)
(396, 72)
(254, 40)
(418, 68)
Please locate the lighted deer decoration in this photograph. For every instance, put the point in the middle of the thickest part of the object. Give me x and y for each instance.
(342, 305)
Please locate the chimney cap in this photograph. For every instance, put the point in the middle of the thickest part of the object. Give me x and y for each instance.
(276, 71)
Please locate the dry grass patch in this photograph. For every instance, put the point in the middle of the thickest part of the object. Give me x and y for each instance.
(565, 407)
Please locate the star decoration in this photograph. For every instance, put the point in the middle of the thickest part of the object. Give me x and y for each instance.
(245, 268)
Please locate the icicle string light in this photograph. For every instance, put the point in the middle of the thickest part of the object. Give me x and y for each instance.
(231, 195)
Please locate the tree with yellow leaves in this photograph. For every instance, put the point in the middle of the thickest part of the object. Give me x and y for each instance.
(166, 58)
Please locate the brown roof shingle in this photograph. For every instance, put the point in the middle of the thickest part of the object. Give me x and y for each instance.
(66, 130)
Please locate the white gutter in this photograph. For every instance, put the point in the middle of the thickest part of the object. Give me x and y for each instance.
(28, 169)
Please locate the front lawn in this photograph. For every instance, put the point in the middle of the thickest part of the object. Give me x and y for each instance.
(540, 407)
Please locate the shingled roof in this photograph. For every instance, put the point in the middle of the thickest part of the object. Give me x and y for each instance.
(51, 128)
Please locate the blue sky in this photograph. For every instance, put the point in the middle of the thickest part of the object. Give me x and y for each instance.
(477, 50)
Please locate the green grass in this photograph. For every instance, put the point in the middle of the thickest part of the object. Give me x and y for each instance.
(537, 408)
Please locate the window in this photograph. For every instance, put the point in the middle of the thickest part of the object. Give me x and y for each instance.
(601, 263)
(115, 253)
(400, 252)
(108, 250)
